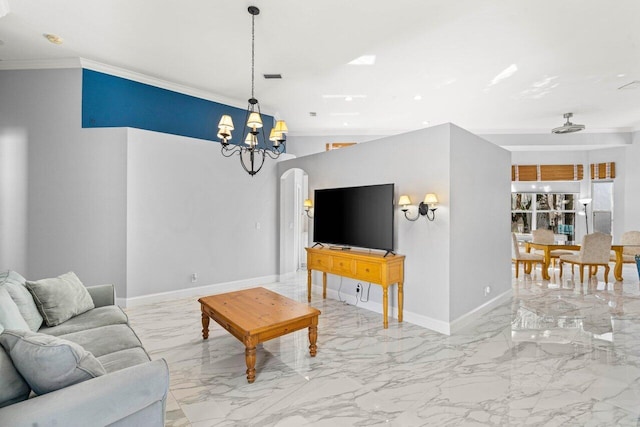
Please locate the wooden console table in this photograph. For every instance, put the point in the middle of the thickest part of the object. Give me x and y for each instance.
(364, 266)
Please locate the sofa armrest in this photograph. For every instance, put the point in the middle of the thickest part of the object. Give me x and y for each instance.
(102, 295)
(97, 402)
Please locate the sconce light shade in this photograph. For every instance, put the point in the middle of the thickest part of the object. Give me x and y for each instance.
(430, 199)
(426, 208)
(281, 127)
(254, 121)
(226, 123)
(404, 201)
(251, 140)
(308, 204)
(274, 135)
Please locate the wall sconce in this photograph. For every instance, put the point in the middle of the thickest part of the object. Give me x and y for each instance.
(584, 202)
(426, 208)
(308, 205)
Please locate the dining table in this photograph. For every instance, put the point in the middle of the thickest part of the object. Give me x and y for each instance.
(548, 247)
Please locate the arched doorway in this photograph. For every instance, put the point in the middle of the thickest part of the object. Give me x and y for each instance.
(294, 223)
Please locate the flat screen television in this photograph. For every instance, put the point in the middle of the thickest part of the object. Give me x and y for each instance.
(355, 216)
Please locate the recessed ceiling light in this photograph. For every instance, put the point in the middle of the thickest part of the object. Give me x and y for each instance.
(54, 38)
(417, 97)
(348, 98)
(345, 123)
(504, 74)
(364, 60)
(425, 123)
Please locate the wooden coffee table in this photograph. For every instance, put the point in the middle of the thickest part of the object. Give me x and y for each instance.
(257, 315)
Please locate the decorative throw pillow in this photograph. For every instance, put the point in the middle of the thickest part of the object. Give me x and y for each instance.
(10, 317)
(60, 298)
(14, 283)
(49, 363)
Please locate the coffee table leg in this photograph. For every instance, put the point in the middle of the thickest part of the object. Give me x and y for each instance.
(313, 337)
(250, 357)
(205, 326)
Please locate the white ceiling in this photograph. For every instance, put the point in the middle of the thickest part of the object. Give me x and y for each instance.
(490, 66)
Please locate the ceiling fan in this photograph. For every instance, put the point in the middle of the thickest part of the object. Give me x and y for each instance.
(568, 127)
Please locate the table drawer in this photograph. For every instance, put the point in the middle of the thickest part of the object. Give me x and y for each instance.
(343, 265)
(320, 262)
(369, 271)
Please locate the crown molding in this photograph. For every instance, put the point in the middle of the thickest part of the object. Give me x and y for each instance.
(158, 82)
(77, 62)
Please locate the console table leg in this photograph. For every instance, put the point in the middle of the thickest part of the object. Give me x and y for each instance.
(313, 337)
(400, 301)
(309, 285)
(205, 326)
(324, 285)
(385, 306)
(250, 358)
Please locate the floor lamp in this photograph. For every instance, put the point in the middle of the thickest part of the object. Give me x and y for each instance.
(585, 202)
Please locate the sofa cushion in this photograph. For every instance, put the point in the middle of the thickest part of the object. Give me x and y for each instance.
(10, 317)
(60, 298)
(49, 363)
(101, 316)
(123, 359)
(105, 339)
(15, 285)
(13, 388)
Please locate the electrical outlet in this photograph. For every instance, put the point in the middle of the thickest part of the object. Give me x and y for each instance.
(358, 288)
(194, 277)
(487, 290)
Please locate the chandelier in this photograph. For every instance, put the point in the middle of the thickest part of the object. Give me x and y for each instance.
(254, 148)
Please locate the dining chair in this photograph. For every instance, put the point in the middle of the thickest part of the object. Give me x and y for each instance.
(546, 237)
(527, 259)
(594, 251)
(631, 242)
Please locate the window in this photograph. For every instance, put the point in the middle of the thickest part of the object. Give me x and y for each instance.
(553, 211)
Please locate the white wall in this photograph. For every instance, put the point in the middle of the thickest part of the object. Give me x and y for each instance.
(479, 205)
(191, 210)
(142, 210)
(13, 199)
(76, 179)
(631, 206)
(421, 162)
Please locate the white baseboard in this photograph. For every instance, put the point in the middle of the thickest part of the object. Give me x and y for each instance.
(446, 328)
(472, 316)
(407, 316)
(195, 291)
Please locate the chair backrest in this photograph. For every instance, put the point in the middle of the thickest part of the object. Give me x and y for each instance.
(631, 238)
(515, 248)
(595, 248)
(544, 236)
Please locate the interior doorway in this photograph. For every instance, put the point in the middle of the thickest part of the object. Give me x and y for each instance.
(294, 223)
(602, 206)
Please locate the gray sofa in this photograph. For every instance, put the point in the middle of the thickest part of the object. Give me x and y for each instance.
(133, 391)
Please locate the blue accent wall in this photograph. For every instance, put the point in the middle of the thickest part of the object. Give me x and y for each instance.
(109, 101)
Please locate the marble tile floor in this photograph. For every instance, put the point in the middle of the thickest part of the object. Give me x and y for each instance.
(557, 354)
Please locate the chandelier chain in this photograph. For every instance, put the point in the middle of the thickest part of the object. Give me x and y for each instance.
(253, 53)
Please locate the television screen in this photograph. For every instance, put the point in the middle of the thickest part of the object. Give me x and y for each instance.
(355, 216)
